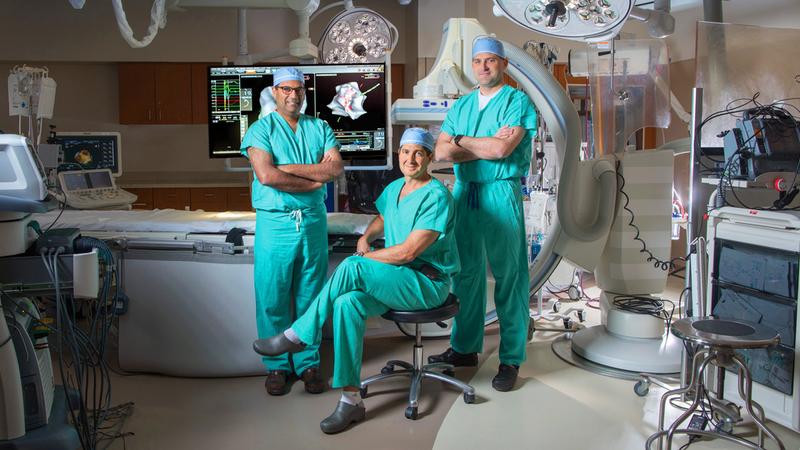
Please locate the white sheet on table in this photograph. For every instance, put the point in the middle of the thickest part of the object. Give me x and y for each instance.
(171, 220)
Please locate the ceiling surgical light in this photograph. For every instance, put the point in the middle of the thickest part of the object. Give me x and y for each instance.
(581, 20)
(357, 35)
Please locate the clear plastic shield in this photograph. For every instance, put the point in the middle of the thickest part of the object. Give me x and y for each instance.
(735, 62)
(629, 82)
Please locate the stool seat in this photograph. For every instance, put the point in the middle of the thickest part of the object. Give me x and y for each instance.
(416, 371)
(713, 332)
(448, 309)
(715, 342)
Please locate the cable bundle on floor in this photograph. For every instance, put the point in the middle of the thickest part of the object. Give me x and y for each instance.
(650, 306)
(81, 349)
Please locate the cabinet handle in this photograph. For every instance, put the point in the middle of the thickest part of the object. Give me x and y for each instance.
(208, 195)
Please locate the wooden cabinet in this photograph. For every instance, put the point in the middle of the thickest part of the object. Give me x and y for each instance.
(171, 198)
(239, 199)
(208, 199)
(205, 198)
(155, 93)
(144, 198)
(564, 78)
(137, 93)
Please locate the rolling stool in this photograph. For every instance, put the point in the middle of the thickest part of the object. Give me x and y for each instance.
(417, 372)
(716, 340)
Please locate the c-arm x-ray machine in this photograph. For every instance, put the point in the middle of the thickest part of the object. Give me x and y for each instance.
(592, 227)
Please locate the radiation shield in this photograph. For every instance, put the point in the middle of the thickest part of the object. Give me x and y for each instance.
(629, 87)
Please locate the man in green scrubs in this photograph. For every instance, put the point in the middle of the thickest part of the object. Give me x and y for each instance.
(293, 156)
(488, 135)
(412, 272)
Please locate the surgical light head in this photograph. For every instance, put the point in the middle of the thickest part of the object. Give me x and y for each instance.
(579, 20)
(487, 44)
(287, 74)
(419, 136)
(357, 35)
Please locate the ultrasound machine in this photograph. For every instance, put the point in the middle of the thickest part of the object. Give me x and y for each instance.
(91, 161)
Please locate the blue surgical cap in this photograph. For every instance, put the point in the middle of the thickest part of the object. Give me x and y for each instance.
(488, 44)
(417, 136)
(287, 74)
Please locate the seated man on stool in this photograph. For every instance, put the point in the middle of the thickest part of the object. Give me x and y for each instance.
(412, 272)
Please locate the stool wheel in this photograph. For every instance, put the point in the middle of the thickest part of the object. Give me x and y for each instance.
(449, 372)
(411, 413)
(387, 369)
(363, 392)
(641, 388)
(469, 398)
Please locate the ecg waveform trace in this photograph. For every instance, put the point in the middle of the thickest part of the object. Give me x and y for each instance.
(225, 95)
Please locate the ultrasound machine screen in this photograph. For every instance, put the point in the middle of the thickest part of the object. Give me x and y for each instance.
(90, 150)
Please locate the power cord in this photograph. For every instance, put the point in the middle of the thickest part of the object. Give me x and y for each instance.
(649, 306)
(658, 263)
(81, 354)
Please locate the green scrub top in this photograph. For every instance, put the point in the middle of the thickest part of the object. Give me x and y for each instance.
(305, 146)
(430, 207)
(509, 107)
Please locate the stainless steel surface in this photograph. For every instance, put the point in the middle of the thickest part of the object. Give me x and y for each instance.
(717, 340)
(724, 333)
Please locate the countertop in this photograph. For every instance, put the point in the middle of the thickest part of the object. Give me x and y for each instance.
(143, 180)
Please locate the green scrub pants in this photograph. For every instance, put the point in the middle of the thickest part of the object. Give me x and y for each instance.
(290, 264)
(490, 224)
(360, 288)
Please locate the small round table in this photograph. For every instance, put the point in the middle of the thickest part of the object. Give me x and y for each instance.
(716, 341)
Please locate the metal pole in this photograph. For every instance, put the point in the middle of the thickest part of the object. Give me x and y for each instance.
(712, 10)
(696, 211)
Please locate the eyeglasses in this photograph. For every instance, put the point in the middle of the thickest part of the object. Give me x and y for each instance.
(288, 90)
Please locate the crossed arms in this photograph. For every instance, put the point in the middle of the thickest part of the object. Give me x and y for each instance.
(402, 253)
(499, 146)
(295, 177)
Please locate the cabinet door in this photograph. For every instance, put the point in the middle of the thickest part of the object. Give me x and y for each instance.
(199, 93)
(144, 198)
(171, 198)
(239, 199)
(173, 93)
(398, 81)
(137, 93)
(209, 199)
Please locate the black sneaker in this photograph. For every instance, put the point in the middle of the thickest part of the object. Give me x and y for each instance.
(451, 356)
(505, 378)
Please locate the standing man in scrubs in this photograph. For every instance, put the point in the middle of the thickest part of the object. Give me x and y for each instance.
(488, 135)
(293, 156)
(412, 272)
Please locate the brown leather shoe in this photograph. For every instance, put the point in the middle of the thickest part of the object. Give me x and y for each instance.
(314, 382)
(277, 382)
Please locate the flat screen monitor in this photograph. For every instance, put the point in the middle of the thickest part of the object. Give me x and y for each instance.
(352, 98)
(90, 150)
